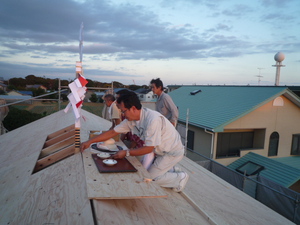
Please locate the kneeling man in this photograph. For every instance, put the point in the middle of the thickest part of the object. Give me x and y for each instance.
(159, 136)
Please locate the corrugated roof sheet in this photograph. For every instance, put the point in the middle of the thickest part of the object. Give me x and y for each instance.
(216, 106)
(293, 161)
(275, 171)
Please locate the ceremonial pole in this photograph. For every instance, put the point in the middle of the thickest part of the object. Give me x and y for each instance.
(77, 94)
(78, 72)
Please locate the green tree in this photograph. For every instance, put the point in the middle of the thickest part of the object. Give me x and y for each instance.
(18, 83)
(93, 98)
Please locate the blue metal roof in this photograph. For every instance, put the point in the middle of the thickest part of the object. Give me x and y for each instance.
(275, 171)
(216, 106)
(293, 161)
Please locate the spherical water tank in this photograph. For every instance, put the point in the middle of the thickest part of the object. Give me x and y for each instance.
(279, 57)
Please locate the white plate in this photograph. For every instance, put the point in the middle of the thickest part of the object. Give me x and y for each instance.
(110, 162)
(103, 155)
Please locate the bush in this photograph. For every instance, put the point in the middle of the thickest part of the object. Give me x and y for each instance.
(93, 98)
(17, 118)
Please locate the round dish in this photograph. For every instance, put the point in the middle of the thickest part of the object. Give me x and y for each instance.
(103, 155)
(110, 162)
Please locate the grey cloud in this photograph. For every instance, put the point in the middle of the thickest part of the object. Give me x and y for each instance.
(237, 11)
(123, 31)
(275, 3)
(271, 17)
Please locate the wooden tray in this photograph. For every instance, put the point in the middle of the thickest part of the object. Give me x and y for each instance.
(123, 165)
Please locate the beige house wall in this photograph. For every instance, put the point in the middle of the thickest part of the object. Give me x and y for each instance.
(282, 119)
(202, 142)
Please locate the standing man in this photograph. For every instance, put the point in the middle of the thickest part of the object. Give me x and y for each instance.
(114, 114)
(159, 135)
(164, 103)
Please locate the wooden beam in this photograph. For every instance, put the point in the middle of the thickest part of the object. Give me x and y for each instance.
(53, 158)
(62, 131)
(56, 147)
(59, 138)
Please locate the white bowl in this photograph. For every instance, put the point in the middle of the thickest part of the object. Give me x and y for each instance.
(110, 162)
(103, 155)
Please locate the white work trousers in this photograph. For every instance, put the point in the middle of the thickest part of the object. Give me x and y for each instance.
(159, 170)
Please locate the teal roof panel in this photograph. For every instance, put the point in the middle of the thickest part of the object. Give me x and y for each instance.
(293, 161)
(216, 106)
(275, 171)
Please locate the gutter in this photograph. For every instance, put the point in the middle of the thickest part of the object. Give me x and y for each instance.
(212, 142)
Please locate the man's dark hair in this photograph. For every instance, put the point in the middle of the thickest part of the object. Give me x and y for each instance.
(123, 92)
(109, 97)
(130, 99)
(158, 83)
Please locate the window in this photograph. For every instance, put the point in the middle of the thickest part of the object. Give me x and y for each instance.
(229, 144)
(273, 144)
(190, 139)
(250, 168)
(296, 145)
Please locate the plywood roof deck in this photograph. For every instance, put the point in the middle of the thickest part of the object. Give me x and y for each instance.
(58, 193)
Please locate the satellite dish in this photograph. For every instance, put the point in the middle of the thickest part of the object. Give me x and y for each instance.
(279, 57)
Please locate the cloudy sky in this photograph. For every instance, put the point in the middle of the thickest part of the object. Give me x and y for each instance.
(133, 41)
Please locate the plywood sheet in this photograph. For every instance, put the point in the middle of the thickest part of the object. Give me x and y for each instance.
(119, 185)
(55, 195)
(222, 202)
(174, 210)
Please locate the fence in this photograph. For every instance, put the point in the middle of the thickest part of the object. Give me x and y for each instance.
(282, 200)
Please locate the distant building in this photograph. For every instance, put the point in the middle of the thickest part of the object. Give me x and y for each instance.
(3, 86)
(20, 93)
(145, 95)
(173, 87)
(14, 93)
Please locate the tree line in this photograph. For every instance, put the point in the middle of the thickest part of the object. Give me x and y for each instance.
(52, 84)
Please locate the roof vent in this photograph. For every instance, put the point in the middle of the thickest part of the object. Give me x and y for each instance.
(195, 92)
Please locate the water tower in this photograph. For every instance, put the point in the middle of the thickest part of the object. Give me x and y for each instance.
(279, 57)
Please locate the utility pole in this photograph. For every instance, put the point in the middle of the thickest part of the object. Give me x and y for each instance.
(259, 75)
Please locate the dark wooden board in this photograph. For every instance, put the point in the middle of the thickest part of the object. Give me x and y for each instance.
(123, 165)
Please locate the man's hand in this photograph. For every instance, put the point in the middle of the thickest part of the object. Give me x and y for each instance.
(119, 155)
(84, 145)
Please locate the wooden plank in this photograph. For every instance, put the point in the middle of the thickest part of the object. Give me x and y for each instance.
(51, 196)
(62, 131)
(119, 185)
(55, 147)
(222, 202)
(59, 138)
(174, 210)
(51, 159)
